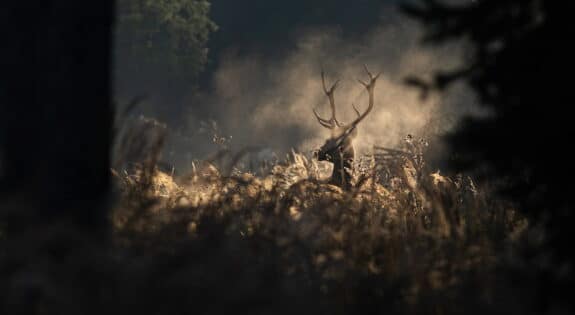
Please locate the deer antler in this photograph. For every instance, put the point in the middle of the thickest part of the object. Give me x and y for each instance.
(355, 109)
(332, 122)
(370, 87)
(324, 122)
(350, 128)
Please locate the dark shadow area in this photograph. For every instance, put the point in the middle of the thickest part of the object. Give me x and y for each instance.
(520, 65)
(271, 28)
(56, 112)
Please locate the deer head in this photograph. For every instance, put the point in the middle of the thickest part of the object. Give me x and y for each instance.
(338, 149)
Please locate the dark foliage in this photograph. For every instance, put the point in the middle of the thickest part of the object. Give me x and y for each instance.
(520, 67)
(160, 46)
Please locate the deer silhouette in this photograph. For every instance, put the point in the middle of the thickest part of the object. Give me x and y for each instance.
(338, 148)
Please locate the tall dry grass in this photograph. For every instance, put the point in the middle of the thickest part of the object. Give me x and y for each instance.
(404, 239)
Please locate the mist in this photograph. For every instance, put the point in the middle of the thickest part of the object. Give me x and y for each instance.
(264, 101)
(263, 96)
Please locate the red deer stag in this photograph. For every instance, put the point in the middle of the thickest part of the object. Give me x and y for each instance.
(338, 149)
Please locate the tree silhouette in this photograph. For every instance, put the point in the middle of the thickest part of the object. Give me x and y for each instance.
(160, 45)
(55, 114)
(518, 62)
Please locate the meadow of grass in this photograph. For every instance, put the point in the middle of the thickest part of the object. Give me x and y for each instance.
(405, 239)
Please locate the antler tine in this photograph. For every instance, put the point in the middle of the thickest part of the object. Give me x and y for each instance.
(333, 87)
(324, 122)
(367, 70)
(323, 81)
(370, 74)
(349, 125)
(331, 97)
(370, 88)
(355, 109)
(372, 79)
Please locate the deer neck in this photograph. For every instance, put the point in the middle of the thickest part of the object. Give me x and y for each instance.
(342, 167)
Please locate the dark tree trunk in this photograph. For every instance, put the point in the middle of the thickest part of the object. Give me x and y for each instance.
(55, 107)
